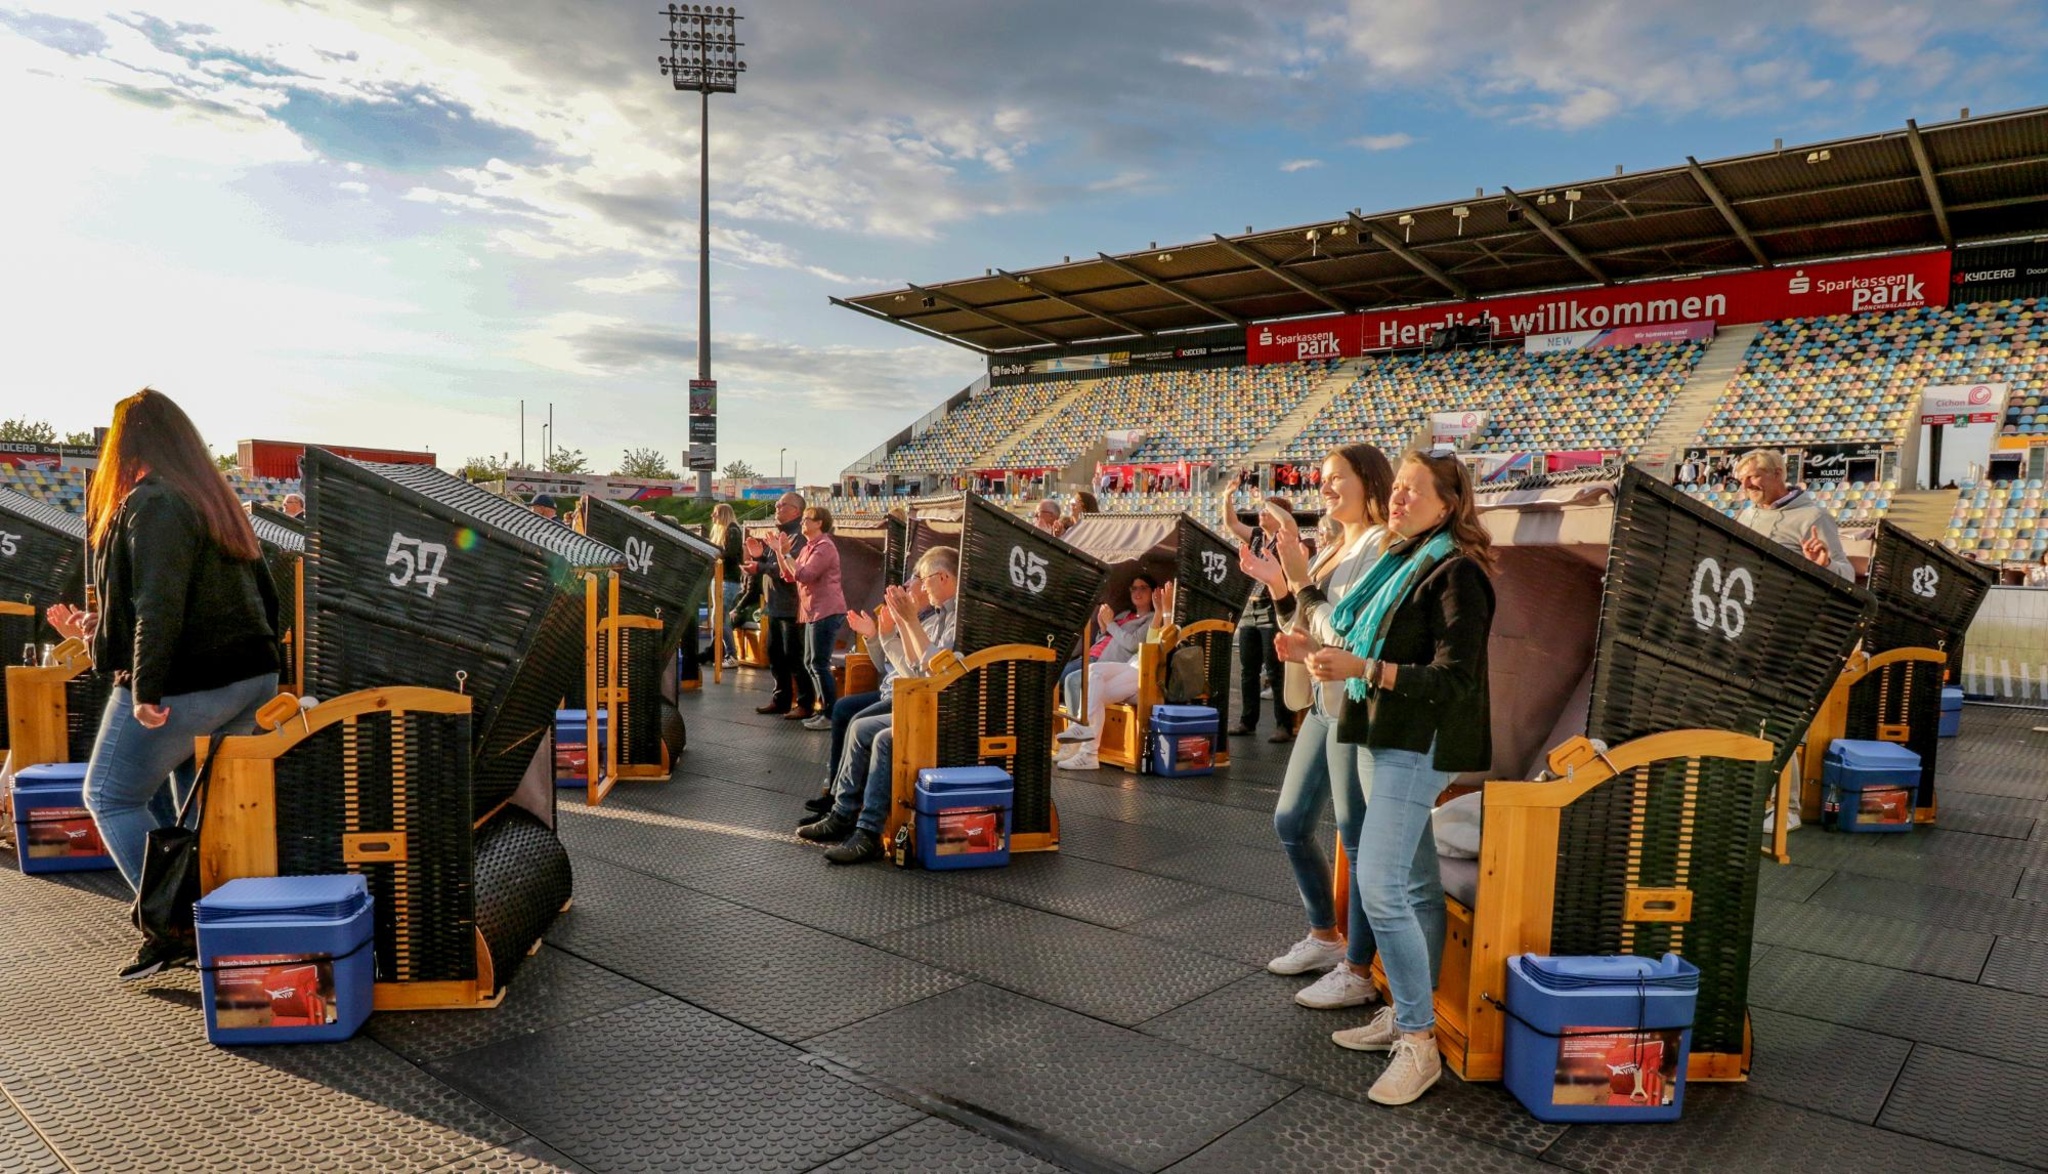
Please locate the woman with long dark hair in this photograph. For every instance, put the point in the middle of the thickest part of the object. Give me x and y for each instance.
(1356, 483)
(186, 621)
(1412, 666)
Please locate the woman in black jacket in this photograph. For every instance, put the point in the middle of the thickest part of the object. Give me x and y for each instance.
(1413, 667)
(185, 619)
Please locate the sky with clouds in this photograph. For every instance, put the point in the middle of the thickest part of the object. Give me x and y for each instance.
(387, 223)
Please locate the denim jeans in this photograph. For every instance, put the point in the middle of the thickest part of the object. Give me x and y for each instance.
(881, 785)
(819, 636)
(1320, 766)
(729, 648)
(844, 710)
(1397, 880)
(850, 782)
(124, 782)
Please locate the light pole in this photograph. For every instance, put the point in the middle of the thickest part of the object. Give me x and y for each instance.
(778, 462)
(703, 55)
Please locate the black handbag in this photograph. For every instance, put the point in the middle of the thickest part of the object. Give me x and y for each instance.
(170, 872)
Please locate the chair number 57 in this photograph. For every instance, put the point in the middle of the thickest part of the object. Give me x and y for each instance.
(1726, 610)
(417, 562)
(1027, 569)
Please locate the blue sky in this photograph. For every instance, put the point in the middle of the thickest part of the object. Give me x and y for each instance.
(387, 223)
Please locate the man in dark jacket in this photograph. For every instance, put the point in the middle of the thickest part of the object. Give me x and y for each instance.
(785, 634)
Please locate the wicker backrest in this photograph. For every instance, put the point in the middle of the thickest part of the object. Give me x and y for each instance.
(1677, 823)
(870, 556)
(42, 554)
(384, 772)
(414, 576)
(284, 544)
(1703, 624)
(1922, 595)
(666, 572)
(1211, 586)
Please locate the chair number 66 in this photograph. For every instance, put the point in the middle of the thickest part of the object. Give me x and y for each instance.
(1707, 583)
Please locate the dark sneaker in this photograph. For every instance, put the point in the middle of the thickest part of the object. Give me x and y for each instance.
(829, 830)
(861, 845)
(771, 707)
(152, 958)
(818, 804)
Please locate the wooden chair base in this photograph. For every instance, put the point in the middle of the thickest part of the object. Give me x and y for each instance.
(751, 646)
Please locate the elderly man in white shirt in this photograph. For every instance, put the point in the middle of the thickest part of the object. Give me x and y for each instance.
(1787, 515)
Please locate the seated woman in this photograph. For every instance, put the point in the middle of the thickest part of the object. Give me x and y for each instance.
(1113, 676)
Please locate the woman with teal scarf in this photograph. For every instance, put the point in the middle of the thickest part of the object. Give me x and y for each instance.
(1412, 665)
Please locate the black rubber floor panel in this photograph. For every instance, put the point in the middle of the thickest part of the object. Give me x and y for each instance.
(1118, 977)
(1102, 1090)
(2018, 966)
(1956, 864)
(1726, 1128)
(1790, 882)
(551, 988)
(1314, 1133)
(1839, 1070)
(1256, 872)
(938, 1146)
(1257, 1023)
(1229, 925)
(2000, 1024)
(1113, 841)
(1081, 889)
(525, 1157)
(867, 902)
(1950, 908)
(664, 1086)
(1866, 937)
(1974, 1103)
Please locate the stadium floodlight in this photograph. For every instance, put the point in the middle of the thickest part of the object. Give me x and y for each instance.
(703, 55)
(1460, 213)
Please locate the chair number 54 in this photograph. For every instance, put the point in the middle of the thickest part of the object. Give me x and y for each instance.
(1027, 569)
(417, 562)
(1727, 610)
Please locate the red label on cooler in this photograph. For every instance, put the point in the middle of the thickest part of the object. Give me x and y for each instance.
(63, 831)
(273, 990)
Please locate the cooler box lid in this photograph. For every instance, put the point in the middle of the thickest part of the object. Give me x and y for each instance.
(1183, 713)
(1563, 973)
(939, 780)
(51, 774)
(272, 898)
(1855, 754)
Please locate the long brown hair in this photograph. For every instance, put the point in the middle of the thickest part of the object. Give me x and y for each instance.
(152, 435)
(1453, 483)
(1372, 467)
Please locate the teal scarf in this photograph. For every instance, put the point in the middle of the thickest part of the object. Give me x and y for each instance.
(1361, 616)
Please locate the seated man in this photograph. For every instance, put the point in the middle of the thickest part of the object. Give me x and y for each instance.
(1114, 675)
(862, 790)
(1789, 517)
(872, 630)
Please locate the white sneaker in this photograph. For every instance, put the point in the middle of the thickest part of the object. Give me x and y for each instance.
(1342, 987)
(729, 663)
(1377, 1036)
(1310, 953)
(1414, 1068)
(817, 721)
(1082, 758)
(1075, 733)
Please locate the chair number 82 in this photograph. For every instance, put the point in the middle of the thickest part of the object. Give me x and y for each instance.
(1707, 583)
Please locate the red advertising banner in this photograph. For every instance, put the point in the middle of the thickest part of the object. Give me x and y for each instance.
(1804, 291)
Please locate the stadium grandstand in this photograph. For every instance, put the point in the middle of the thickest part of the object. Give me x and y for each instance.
(1809, 299)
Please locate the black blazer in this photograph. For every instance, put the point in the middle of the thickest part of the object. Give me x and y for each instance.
(178, 614)
(1437, 638)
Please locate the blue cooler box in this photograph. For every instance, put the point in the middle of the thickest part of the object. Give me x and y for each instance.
(1868, 786)
(53, 832)
(963, 816)
(286, 959)
(1184, 740)
(1600, 1039)
(572, 744)
(1951, 712)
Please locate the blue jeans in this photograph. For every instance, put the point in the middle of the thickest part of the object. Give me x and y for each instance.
(124, 782)
(819, 636)
(844, 710)
(1396, 876)
(850, 783)
(1319, 766)
(729, 647)
(881, 788)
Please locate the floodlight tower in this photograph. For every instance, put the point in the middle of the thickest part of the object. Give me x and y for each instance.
(703, 55)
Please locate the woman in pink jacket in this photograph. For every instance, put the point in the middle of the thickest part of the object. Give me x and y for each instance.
(821, 604)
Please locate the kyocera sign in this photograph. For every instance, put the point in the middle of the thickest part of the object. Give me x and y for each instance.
(1807, 291)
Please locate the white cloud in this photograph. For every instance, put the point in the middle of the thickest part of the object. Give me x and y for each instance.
(1294, 165)
(637, 282)
(1386, 142)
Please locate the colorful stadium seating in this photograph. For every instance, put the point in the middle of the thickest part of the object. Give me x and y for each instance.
(2000, 521)
(1596, 399)
(1851, 505)
(65, 488)
(1215, 414)
(965, 433)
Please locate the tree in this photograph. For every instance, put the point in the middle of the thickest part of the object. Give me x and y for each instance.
(486, 468)
(566, 460)
(226, 462)
(646, 462)
(81, 439)
(26, 431)
(739, 471)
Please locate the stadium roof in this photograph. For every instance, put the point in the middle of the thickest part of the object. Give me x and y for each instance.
(1974, 179)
